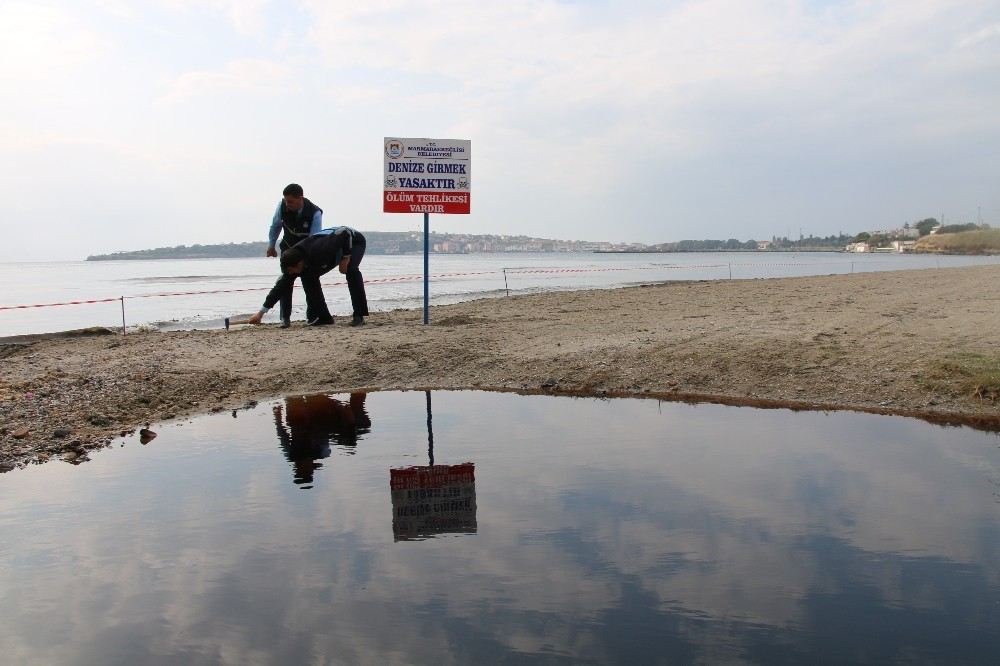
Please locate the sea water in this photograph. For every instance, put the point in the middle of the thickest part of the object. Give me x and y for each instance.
(468, 527)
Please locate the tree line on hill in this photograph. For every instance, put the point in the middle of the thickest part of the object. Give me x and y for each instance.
(734, 244)
(924, 228)
(411, 242)
(379, 242)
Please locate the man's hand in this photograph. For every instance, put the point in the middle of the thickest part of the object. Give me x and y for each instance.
(256, 318)
(344, 263)
(271, 252)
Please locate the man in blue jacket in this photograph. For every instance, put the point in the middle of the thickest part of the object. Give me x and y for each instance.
(295, 219)
(340, 247)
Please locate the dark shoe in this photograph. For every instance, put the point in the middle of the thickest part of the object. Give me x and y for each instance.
(319, 322)
(358, 320)
(285, 323)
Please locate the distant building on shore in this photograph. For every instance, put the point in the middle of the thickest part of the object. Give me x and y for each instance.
(893, 246)
(903, 245)
(899, 233)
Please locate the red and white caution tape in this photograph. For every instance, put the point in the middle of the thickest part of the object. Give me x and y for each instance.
(52, 305)
(399, 278)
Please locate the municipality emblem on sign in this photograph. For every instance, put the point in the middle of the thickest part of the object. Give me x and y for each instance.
(394, 149)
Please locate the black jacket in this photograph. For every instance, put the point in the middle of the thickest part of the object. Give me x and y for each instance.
(324, 251)
(295, 224)
(323, 254)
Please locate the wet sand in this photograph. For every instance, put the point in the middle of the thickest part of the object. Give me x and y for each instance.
(894, 343)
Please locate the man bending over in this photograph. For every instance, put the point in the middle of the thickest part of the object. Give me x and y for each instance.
(341, 247)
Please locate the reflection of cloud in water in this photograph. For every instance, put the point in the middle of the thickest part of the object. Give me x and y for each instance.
(603, 528)
(736, 500)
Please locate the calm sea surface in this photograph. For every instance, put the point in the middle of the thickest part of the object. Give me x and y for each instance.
(393, 282)
(315, 530)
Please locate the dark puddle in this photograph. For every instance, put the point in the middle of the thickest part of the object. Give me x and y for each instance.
(481, 527)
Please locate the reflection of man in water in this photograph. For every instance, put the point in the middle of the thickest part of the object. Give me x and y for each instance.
(312, 423)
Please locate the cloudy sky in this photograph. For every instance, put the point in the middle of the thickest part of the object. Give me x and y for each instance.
(129, 125)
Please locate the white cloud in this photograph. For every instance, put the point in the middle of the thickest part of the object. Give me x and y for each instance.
(986, 34)
(41, 43)
(592, 94)
(532, 64)
(253, 76)
(247, 17)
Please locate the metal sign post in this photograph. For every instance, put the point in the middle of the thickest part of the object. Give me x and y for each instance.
(427, 176)
(427, 264)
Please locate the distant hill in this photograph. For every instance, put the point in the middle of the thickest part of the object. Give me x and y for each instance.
(980, 241)
(228, 250)
(412, 242)
(380, 242)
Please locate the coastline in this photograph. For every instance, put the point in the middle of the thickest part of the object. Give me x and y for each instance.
(890, 342)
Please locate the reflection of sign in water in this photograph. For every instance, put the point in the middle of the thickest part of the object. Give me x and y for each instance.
(433, 500)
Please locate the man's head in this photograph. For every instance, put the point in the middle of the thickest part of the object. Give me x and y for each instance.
(293, 261)
(293, 196)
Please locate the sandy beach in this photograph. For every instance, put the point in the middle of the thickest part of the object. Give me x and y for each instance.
(916, 343)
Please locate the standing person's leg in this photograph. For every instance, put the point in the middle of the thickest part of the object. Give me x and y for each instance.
(284, 285)
(315, 300)
(285, 304)
(356, 284)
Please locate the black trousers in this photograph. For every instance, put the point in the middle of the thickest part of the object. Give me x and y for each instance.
(315, 299)
(355, 281)
(287, 283)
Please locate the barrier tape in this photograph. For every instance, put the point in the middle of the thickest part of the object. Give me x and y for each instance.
(413, 277)
(567, 270)
(400, 278)
(519, 271)
(51, 305)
